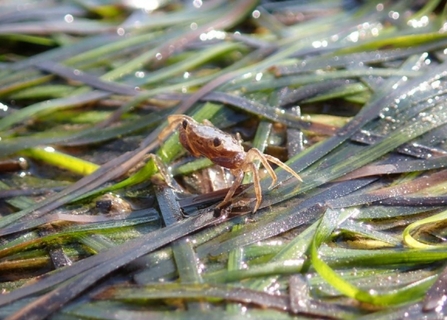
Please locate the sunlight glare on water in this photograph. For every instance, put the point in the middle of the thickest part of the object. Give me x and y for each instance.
(148, 5)
(419, 23)
(213, 34)
(68, 18)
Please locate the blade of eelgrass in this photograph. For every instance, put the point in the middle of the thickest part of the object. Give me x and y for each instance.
(98, 52)
(184, 255)
(297, 213)
(395, 139)
(268, 83)
(235, 264)
(335, 60)
(43, 91)
(83, 137)
(378, 256)
(107, 225)
(161, 264)
(188, 64)
(107, 310)
(61, 53)
(359, 230)
(48, 107)
(411, 242)
(79, 26)
(327, 225)
(227, 20)
(201, 291)
(96, 267)
(95, 179)
(63, 160)
(295, 249)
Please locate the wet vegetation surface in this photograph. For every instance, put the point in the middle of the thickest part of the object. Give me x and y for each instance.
(102, 219)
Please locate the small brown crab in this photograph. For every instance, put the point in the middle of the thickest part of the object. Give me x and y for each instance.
(224, 150)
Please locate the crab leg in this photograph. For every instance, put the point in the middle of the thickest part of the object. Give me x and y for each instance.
(254, 153)
(257, 185)
(282, 165)
(239, 175)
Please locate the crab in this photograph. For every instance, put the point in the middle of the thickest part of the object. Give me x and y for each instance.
(224, 150)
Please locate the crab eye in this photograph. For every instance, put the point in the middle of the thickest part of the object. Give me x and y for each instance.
(184, 124)
(217, 142)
